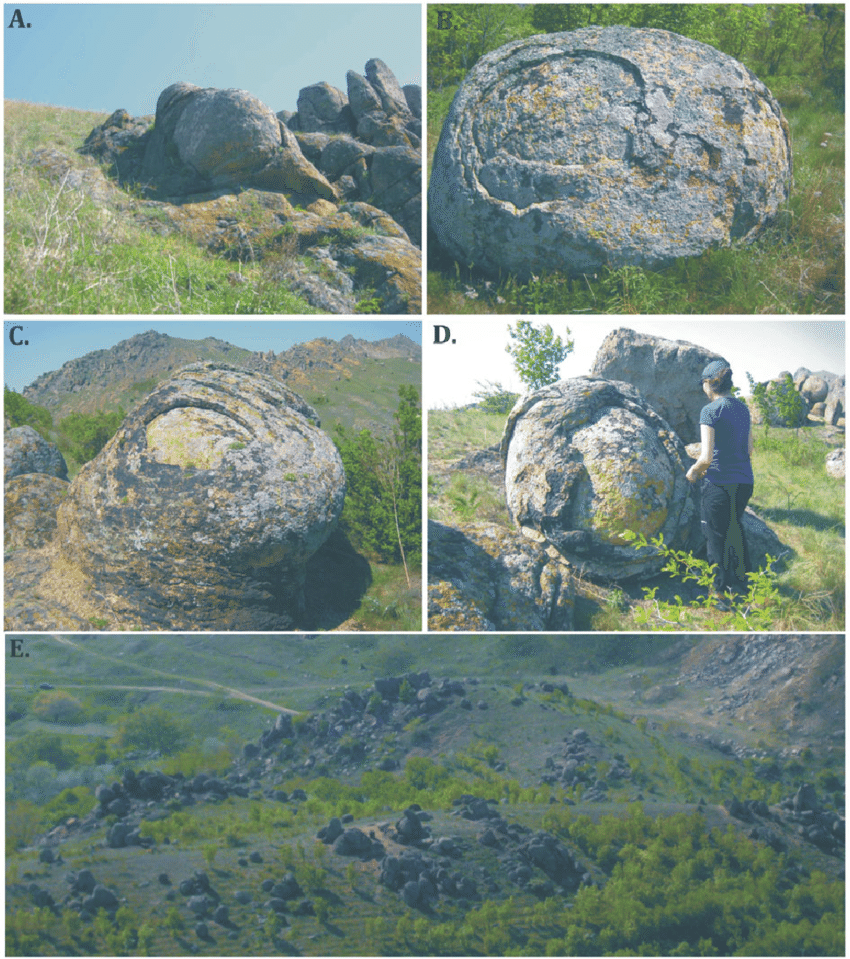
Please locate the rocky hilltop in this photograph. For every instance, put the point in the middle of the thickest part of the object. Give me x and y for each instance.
(125, 373)
(329, 195)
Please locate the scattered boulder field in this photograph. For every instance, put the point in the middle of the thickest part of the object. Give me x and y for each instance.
(428, 859)
(605, 147)
(332, 190)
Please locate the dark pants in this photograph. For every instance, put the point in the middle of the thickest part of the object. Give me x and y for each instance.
(721, 512)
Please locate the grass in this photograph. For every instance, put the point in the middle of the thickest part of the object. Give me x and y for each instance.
(793, 495)
(64, 253)
(389, 603)
(796, 266)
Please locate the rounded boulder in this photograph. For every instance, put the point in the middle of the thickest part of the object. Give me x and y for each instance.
(587, 459)
(606, 147)
(203, 510)
(225, 134)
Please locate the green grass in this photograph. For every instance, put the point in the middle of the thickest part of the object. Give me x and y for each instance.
(66, 254)
(795, 267)
(390, 603)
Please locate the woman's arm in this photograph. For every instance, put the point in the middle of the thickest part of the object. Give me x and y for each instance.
(750, 444)
(706, 454)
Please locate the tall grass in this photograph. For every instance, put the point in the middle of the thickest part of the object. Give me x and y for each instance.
(66, 253)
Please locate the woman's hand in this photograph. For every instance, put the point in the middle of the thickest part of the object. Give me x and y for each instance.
(693, 474)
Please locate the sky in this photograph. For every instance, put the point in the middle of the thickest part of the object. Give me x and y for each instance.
(51, 343)
(109, 56)
(763, 348)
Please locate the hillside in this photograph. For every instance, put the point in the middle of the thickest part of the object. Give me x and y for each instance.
(110, 215)
(405, 795)
(354, 382)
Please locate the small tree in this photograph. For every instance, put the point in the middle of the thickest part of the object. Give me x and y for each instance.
(152, 728)
(494, 398)
(57, 706)
(537, 353)
(781, 405)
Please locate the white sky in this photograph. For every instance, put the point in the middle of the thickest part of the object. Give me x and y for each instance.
(763, 348)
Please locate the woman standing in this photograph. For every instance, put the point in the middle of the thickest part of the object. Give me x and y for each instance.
(724, 465)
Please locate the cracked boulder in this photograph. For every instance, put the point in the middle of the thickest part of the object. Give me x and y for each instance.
(204, 508)
(606, 147)
(482, 578)
(587, 459)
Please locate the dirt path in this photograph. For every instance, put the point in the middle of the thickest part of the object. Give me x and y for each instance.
(216, 688)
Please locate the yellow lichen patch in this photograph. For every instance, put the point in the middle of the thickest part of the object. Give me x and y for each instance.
(193, 438)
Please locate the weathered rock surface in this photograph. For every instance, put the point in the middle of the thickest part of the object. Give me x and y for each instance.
(202, 512)
(585, 460)
(666, 372)
(605, 147)
(835, 464)
(25, 451)
(208, 502)
(482, 578)
(30, 503)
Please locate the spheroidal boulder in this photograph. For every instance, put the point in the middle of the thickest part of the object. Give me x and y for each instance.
(606, 147)
(587, 459)
(204, 508)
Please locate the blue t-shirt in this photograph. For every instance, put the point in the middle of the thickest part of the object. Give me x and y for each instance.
(730, 419)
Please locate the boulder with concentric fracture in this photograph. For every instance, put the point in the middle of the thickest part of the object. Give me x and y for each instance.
(587, 459)
(606, 147)
(203, 510)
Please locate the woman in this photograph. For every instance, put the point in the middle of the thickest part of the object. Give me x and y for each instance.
(724, 465)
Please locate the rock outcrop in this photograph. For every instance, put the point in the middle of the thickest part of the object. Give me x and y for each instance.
(202, 512)
(221, 167)
(482, 578)
(587, 459)
(665, 372)
(25, 451)
(605, 147)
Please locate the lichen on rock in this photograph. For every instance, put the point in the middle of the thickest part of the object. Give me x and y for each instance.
(203, 510)
(605, 147)
(483, 578)
(587, 459)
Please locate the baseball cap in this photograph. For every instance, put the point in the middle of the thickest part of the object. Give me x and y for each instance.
(714, 368)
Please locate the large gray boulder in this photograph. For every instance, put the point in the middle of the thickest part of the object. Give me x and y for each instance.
(26, 451)
(225, 134)
(385, 85)
(605, 147)
(204, 508)
(666, 372)
(483, 578)
(587, 459)
(30, 503)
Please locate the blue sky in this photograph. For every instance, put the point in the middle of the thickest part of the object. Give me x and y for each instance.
(54, 342)
(109, 56)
